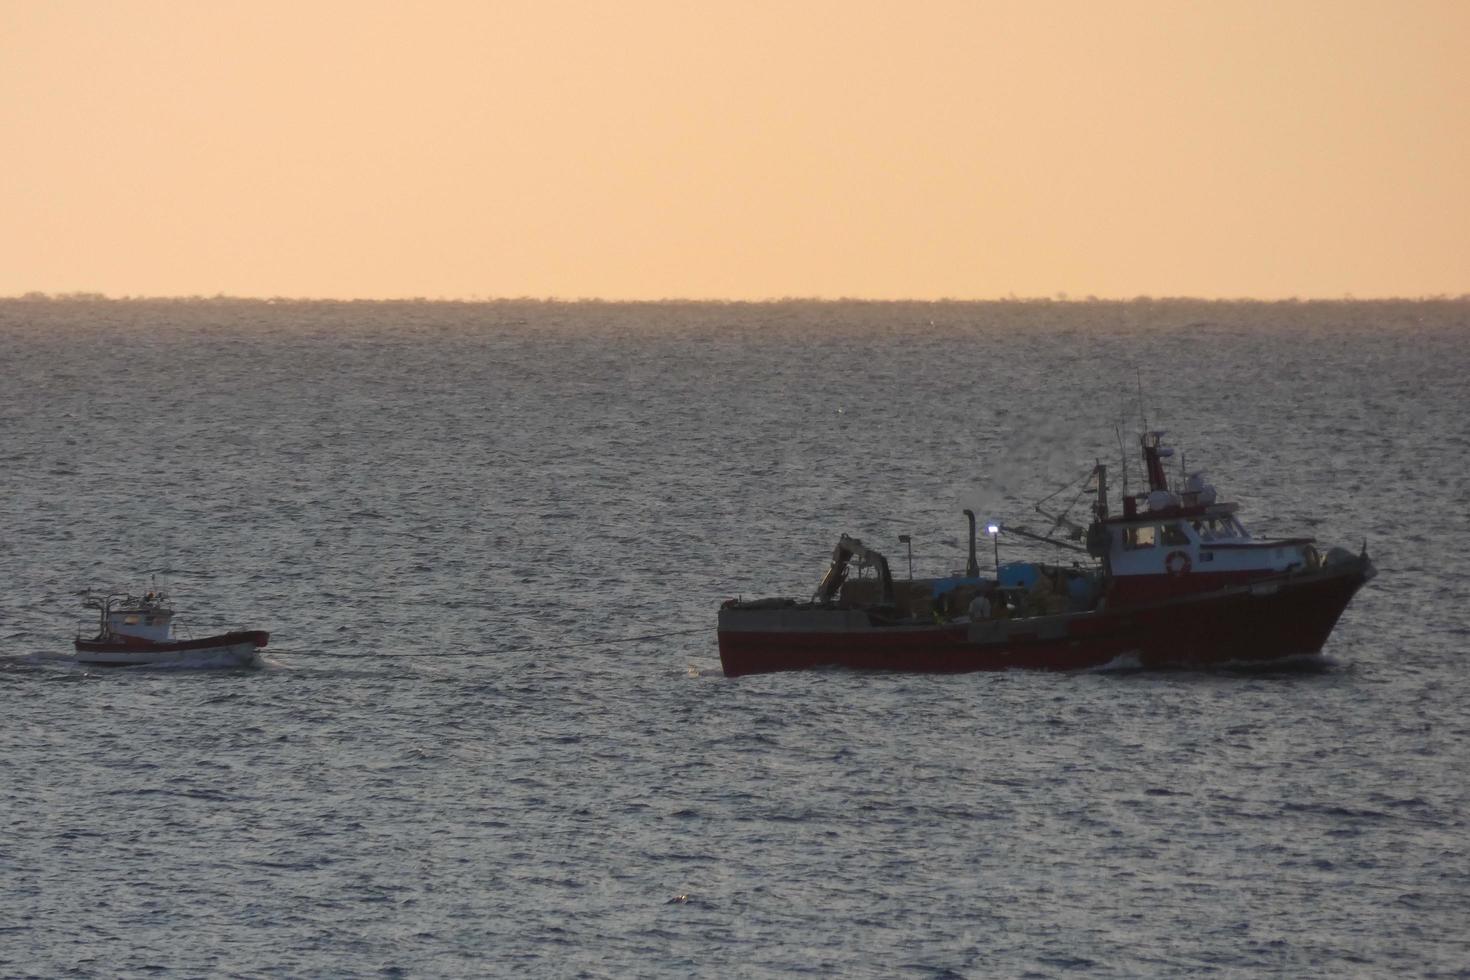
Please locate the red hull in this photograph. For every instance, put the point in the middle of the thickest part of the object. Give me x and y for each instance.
(1270, 619)
(132, 644)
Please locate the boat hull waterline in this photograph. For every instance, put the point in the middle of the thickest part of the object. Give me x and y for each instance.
(238, 647)
(1270, 619)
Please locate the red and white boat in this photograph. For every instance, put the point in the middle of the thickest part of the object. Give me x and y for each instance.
(1175, 580)
(138, 630)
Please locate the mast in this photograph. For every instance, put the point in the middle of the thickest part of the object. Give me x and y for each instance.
(1123, 455)
(972, 566)
(1153, 461)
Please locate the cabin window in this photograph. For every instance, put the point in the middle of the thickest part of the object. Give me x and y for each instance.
(1173, 534)
(130, 620)
(1141, 537)
(1216, 529)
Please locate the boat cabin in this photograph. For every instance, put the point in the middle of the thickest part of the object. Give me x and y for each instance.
(1175, 541)
(139, 617)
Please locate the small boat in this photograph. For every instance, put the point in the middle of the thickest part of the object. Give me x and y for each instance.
(1174, 580)
(138, 630)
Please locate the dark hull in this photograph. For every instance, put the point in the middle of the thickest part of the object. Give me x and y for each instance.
(123, 651)
(1273, 619)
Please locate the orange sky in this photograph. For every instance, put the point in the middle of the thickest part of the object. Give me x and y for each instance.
(735, 149)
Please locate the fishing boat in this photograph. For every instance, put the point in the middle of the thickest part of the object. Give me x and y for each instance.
(139, 630)
(1172, 580)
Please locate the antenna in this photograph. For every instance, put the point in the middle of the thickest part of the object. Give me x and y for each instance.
(1118, 431)
(1141, 416)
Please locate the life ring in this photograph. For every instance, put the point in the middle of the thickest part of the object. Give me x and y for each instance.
(1178, 564)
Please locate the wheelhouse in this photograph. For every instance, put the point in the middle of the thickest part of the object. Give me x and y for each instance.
(1174, 540)
(144, 617)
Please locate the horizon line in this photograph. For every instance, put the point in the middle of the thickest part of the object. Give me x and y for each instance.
(37, 296)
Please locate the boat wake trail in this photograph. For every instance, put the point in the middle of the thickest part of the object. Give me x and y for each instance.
(1122, 663)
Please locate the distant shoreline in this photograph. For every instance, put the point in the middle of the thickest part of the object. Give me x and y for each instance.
(1061, 299)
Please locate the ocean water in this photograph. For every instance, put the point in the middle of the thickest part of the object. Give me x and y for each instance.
(490, 736)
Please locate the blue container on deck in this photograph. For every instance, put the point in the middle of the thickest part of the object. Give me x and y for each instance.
(1019, 575)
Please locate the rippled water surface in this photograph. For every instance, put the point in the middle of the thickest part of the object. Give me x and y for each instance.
(456, 759)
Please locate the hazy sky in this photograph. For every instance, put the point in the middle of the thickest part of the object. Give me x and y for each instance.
(738, 149)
